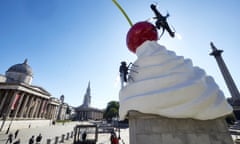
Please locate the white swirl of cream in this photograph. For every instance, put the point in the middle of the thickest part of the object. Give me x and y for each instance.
(169, 85)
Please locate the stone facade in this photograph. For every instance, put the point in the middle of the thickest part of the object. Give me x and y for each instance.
(22, 101)
(19, 100)
(85, 111)
(154, 129)
(52, 108)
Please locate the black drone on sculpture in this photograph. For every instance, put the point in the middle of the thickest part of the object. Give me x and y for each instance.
(161, 21)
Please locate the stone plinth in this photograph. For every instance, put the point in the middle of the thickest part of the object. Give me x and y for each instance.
(154, 129)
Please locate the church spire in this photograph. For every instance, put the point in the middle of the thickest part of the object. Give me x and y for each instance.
(88, 88)
(87, 96)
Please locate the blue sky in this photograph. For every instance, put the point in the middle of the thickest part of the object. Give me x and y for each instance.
(70, 42)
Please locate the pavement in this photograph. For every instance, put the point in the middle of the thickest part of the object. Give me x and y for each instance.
(50, 132)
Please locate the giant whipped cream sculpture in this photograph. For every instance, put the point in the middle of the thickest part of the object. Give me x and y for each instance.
(165, 84)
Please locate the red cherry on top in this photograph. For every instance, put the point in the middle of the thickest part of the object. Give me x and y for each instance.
(139, 33)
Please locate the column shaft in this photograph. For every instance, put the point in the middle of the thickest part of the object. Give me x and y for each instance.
(3, 101)
(29, 106)
(24, 106)
(18, 105)
(10, 104)
(226, 74)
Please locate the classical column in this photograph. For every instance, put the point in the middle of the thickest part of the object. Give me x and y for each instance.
(3, 111)
(39, 108)
(46, 111)
(11, 103)
(18, 105)
(3, 101)
(36, 108)
(42, 108)
(226, 74)
(53, 114)
(49, 111)
(29, 106)
(24, 105)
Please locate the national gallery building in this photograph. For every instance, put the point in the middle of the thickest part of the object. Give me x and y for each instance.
(19, 100)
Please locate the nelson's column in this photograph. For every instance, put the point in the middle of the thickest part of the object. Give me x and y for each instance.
(235, 96)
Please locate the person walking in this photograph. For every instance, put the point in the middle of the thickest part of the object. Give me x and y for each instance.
(16, 133)
(17, 142)
(113, 138)
(39, 138)
(31, 140)
(10, 138)
(84, 136)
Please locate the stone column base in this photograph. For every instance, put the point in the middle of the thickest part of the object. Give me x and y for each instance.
(154, 129)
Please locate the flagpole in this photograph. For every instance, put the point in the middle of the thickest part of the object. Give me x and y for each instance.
(3, 122)
(13, 106)
(9, 125)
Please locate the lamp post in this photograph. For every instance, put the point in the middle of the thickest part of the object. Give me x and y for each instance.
(9, 125)
(119, 137)
(3, 122)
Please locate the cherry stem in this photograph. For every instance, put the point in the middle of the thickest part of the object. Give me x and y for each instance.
(123, 12)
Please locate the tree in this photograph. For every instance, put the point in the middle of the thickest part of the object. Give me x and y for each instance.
(111, 110)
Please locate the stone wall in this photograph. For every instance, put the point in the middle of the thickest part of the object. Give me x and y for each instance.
(153, 129)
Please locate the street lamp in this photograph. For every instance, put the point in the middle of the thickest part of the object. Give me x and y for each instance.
(9, 125)
(3, 122)
(119, 137)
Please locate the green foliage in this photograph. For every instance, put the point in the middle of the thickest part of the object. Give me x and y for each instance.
(111, 110)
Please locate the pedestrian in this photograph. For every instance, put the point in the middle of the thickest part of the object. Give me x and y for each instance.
(39, 138)
(84, 136)
(17, 142)
(16, 133)
(113, 138)
(10, 138)
(31, 140)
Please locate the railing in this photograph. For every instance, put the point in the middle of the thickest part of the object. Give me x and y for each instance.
(85, 134)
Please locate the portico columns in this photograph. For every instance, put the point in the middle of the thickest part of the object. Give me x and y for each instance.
(10, 104)
(3, 102)
(35, 109)
(29, 106)
(24, 105)
(55, 112)
(41, 108)
(52, 111)
(40, 112)
(49, 109)
(18, 105)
